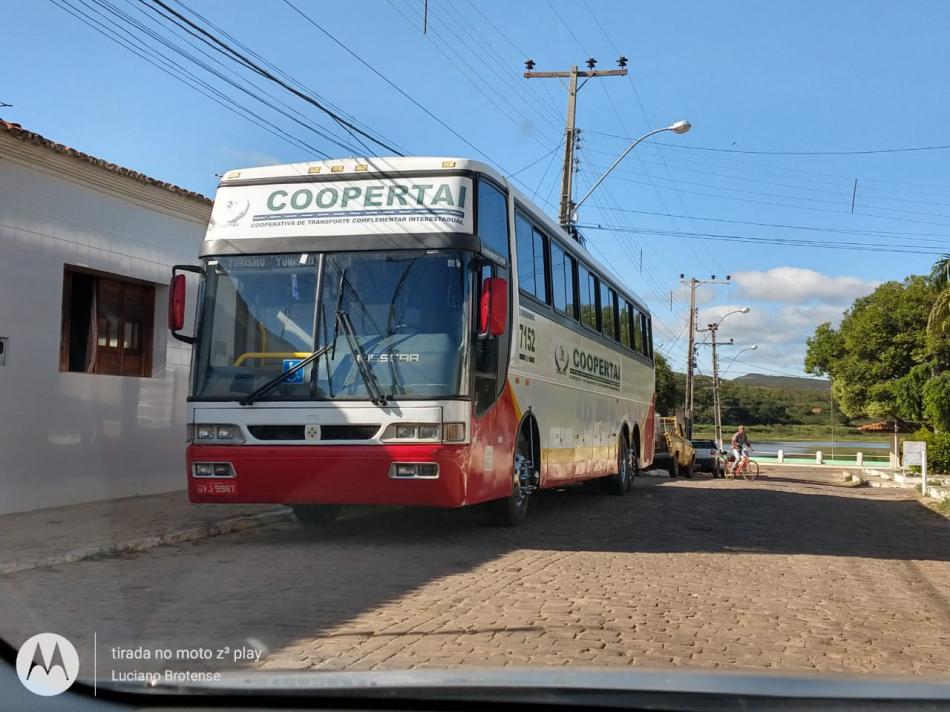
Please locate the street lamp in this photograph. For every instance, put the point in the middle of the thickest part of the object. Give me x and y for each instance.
(747, 348)
(679, 127)
(740, 310)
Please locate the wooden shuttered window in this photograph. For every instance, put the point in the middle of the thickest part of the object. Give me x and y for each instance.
(107, 325)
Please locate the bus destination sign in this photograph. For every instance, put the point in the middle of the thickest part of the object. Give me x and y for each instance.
(345, 207)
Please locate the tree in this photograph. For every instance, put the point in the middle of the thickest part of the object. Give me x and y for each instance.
(938, 321)
(909, 392)
(936, 402)
(667, 394)
(881, 338)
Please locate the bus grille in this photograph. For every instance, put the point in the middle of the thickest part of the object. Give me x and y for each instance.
(327, 432)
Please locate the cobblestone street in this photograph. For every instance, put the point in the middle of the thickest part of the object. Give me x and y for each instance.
(794, 572)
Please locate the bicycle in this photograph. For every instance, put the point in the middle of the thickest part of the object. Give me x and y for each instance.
(750, 469)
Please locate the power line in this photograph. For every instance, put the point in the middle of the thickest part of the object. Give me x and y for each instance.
(927, 237)
(790, 153)
(445, 52)
(281, 72)
(303, 120)
(535, 162)
(179, 73)
(242, 59)
(520, 52)
(391, 83)
(649, 125)
(790, 242)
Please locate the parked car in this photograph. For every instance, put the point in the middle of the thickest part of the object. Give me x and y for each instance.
(707, 457)
(672, 450)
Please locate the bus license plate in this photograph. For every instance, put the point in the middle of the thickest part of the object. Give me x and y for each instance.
(216, 488)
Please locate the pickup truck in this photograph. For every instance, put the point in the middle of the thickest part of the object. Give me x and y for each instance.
(672, 450)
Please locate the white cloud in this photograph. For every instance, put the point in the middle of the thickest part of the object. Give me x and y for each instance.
(799, 285)
(810, 315)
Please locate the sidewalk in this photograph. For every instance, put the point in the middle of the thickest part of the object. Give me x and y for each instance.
(47, 537)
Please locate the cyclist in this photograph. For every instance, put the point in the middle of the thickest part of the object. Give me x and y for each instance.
(740, 447)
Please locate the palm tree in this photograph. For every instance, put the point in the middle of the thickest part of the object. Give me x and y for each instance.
(940, 273)
(938, 323)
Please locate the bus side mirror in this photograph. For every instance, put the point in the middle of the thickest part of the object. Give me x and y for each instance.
(177, 290)
(494, 306)
(177, 298)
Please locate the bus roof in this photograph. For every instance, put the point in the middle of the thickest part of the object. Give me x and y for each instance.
(367, 166)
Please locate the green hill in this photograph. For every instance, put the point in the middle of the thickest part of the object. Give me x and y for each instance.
(763, 400)
(789, 382)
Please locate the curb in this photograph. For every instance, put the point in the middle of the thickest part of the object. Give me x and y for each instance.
(225, 526)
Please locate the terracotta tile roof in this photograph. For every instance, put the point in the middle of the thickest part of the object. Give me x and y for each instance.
(22, 134)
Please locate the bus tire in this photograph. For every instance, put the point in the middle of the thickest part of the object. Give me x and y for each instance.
(690, 469)
(511, 511)
(619, 483)
(674, 468)
(316, 515)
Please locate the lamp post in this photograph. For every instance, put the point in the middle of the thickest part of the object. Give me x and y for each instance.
(747, 348)
(679, 127)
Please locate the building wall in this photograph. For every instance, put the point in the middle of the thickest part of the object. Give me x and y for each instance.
(68, 438)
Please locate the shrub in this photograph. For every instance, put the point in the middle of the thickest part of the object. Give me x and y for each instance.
(938, 449)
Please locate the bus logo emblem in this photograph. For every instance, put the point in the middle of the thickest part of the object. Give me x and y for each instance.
(311, 432)
(561, 360)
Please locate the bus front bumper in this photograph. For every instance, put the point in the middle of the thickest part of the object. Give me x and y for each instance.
(327, 474)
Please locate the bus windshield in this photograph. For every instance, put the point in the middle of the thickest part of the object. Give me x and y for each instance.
(408, 309)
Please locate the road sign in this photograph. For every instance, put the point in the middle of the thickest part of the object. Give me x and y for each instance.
(915, 452)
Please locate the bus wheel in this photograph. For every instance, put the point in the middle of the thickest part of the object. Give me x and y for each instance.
(690, 469)
(674, 468)
(511, 511)
(316, 515)
(619, 484)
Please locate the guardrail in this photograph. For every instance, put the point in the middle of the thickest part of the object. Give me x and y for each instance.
(819, 458)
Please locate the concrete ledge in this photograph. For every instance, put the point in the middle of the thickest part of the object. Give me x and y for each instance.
(225, 526)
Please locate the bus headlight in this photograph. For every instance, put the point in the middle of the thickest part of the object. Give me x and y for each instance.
(428, 432)
(405, 432)
(216, 433)
(412, 432)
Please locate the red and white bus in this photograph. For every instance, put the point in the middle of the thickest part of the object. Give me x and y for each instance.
(405, 331)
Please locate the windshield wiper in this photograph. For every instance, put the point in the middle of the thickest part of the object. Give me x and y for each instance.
(369, 378)
(277, 380)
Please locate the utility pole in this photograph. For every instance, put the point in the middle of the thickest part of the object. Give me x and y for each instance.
(570, 131)
(717, 413)
(691, 349)
(717, 401)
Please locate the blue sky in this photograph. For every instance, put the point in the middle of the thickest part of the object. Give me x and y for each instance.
(756, 76)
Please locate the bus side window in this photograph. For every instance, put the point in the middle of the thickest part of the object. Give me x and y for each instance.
(491, 352)
(625, 324)
(542, 289)
(637, 330)
(608, 311)
(493, 219)
(562, 281)
(649, 336)
(645, 328)
(588, 297)
(530, 249)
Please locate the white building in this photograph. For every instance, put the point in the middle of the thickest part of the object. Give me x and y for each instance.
(92, 388)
